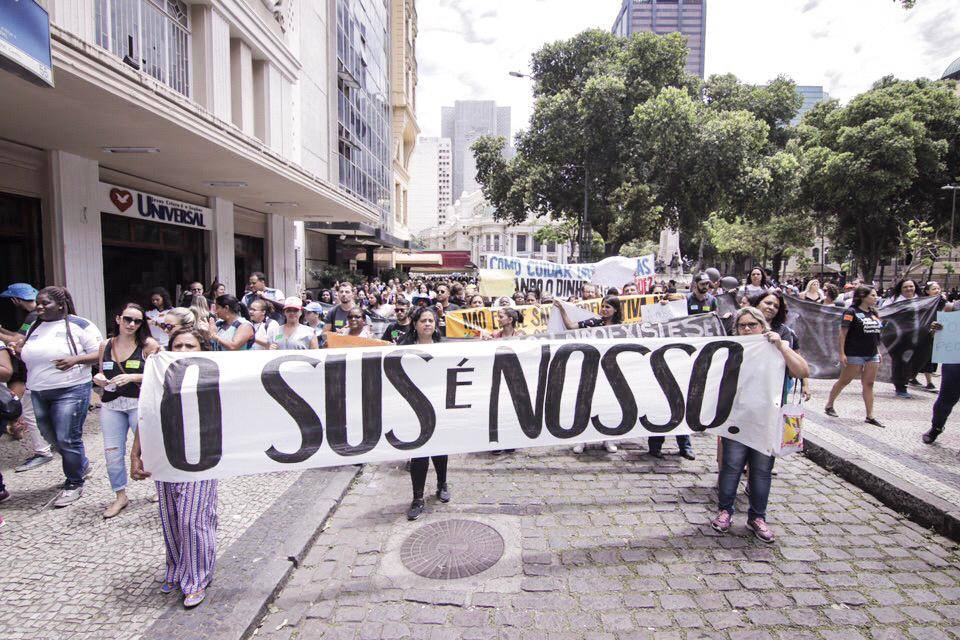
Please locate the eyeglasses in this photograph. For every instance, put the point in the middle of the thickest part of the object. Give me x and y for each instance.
(748, 325)
(134, 321)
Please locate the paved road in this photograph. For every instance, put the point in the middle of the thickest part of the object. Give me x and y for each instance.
(897, 448)
(617, 546)
(67, 573)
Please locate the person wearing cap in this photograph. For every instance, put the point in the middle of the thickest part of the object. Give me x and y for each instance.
(700, 300)
(292, 334)
(313, 317)
(24, 297)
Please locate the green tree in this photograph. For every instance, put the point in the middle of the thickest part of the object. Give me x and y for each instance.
(879, 161)
(777, 238)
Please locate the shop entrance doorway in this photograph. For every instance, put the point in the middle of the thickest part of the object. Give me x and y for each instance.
(139, 256)
(21, 251)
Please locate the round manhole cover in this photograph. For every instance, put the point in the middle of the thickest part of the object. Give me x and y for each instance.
(451, 549)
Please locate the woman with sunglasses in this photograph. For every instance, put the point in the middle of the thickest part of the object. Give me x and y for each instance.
(188, 510)
(122, 360)
(423, 331)
(293, 335)
(356, 324)
(176, 318)
(735, 456)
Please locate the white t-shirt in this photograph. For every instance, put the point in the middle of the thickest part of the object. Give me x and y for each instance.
(301, 338)
(264, 331)
(48, 342)
(158, 334)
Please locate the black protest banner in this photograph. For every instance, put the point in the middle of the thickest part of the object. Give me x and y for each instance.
(905, 334)
(221, 414)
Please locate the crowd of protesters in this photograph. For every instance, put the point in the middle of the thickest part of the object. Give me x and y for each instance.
(55, 358)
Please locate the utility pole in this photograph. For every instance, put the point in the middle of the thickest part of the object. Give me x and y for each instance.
(586, 233)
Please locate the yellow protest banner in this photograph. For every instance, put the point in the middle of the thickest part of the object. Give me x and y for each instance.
(497, 282)
(473, 323)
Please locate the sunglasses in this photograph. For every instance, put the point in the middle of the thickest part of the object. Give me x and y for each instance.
(748, 325)
(134, 321)
(167, 327)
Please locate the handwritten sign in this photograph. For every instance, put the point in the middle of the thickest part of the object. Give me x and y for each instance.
(946, 342)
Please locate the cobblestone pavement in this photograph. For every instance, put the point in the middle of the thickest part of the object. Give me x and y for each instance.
(897, 448)
(611, 546)
(67, 573)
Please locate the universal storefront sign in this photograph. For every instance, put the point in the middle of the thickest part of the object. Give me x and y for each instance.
(131, 203)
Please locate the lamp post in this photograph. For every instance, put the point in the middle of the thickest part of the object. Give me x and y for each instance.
(953, 211)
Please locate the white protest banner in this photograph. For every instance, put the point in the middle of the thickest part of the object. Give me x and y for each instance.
(946, 342)
(566, 280)
(575, 313)
(222, 414)
(663, 312)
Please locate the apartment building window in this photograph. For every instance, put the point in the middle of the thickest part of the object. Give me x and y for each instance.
(496, 242)
(551, 247)
(537, 247)
(150, 35)
(521, 243)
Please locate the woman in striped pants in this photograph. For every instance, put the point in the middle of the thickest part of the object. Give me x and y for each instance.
(188, 512)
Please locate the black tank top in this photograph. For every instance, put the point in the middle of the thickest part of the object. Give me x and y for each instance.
(111, 369)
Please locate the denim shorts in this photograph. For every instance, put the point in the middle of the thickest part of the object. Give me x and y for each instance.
(862, 360)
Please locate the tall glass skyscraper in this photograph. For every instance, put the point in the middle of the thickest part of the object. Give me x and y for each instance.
(363, 105)
(687, 17)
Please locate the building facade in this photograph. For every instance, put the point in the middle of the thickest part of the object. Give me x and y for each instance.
(686, 17)
(430, 183)
(470, 226)
(179, 142)
(463, 123)
(403, 72)
(812, 95)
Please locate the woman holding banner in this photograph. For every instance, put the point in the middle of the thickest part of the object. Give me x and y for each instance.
(423, 330)
(736, 456)
(188, 510)
(610, 314)
(292, 335)
(859, 349)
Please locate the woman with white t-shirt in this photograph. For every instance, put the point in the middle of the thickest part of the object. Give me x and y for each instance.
(293, 335)
(58, 351)
(159, 305)
(264, 327)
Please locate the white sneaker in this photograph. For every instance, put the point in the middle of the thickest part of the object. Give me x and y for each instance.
(68, 497)
(609, 446)
(578, 448)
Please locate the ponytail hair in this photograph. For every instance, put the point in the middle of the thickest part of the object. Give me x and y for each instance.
(228, 301)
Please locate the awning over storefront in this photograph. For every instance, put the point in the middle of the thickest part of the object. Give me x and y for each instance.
(358, 234)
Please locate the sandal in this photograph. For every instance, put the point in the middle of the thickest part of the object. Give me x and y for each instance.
(875, 423)
(167, 587)
(830, 412)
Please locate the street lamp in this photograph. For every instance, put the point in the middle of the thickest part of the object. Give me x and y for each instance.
(953, 211)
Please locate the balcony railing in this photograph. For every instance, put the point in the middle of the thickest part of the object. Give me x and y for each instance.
(150, 35)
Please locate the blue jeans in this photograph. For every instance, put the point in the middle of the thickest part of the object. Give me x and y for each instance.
(655, 443)
(60, 416)
(115, 425)
(735, 458)
(948, 397)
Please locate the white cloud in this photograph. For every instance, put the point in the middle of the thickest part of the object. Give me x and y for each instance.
(466, 48)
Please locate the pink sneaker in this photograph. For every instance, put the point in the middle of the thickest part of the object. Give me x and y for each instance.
(760, 529)
(721, 523)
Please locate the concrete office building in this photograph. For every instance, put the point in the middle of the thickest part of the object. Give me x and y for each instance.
(463, 123)
(812, 95)
(178, 142)
(430, 183)
(403, 81)
(687, 17)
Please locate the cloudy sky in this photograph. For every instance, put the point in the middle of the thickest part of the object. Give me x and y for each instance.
(466, 48)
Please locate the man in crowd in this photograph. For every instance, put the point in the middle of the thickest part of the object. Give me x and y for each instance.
(336, 318)
(260, 291)
(24, 297)
(699, 300)
(396, 329)
(443, 306)
(629, 289)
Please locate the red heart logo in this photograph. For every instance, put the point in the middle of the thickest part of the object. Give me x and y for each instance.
(121, 199)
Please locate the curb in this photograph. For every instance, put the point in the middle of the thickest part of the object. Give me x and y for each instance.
(902, 496)
(254, 569)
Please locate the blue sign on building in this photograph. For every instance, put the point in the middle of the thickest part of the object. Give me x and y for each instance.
(25, 40)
